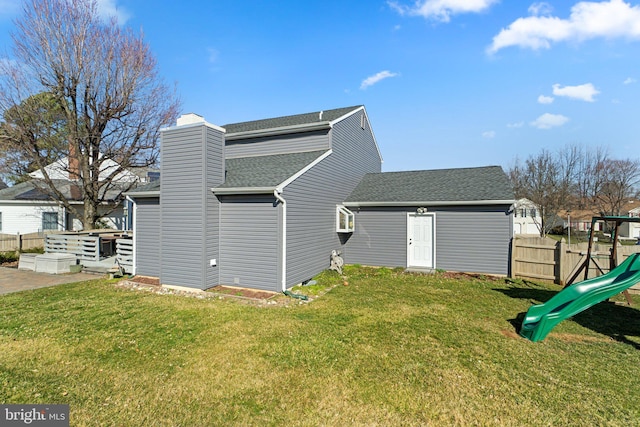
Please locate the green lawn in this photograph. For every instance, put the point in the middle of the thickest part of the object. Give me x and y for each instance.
(388, 349)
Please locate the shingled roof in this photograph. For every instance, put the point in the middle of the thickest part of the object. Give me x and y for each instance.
(37, 190)
(266, 171)
(473, 185)
(286, 121)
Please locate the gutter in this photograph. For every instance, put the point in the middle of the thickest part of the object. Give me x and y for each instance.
(142, 194)
(243, 190)
(278, 131)
(277, 193)
(431, 203)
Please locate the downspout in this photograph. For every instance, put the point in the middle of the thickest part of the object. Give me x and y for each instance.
(134, 208)
(277, 193)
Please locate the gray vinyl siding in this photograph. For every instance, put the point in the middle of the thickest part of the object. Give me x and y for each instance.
(379, 238)
(312, 199)
(473, 240)
(283, 144)
(469, 239)
(147, 233)
(215, 166)
(249, 237)
(192, 163)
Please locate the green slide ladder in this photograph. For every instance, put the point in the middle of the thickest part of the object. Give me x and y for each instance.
(542, 318)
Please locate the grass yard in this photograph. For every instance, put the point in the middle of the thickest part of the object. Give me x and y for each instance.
(388, 349)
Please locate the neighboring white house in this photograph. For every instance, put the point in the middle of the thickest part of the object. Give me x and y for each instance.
(631, 229)
(26, 208)
(526, 218)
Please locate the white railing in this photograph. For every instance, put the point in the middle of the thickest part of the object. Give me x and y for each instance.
(82, 246)
(124, 254)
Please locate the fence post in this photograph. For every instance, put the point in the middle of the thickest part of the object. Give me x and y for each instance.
(512, 261)
(19, 242)
(561, 257)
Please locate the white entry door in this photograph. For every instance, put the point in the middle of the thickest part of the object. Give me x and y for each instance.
(420, 240)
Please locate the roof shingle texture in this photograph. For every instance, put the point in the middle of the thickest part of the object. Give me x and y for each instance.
(298, 119)
(442, 185)
(266, 171)
(36, 190)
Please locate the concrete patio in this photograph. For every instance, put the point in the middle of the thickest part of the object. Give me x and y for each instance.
(14, 280)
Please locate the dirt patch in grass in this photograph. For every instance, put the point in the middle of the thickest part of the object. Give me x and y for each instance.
(467, 276)
(243, 292)
(145, 280)
(509, 334)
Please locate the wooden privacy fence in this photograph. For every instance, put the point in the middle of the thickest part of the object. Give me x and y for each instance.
(19, 242)
(540, 258)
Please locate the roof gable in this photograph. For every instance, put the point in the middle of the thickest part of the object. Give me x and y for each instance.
(474, 185)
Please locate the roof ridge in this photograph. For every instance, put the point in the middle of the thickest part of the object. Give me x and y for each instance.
(317, 113)
(437, 170)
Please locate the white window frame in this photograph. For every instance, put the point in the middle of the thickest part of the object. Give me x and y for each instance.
(57, 219)
(349, 220)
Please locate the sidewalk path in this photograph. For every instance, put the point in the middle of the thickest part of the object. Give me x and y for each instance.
(14, 280)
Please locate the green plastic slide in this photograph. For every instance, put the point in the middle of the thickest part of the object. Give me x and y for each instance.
(541, 319)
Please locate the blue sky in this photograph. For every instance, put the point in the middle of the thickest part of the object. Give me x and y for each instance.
(446, 83)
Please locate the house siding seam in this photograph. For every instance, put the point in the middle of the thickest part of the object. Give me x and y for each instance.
(312, 198)
(214, 176)
(147, 243)
(282, 144)
(249, 233)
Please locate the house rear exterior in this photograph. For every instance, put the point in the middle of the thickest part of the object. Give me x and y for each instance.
(263, 204)
(251, 204)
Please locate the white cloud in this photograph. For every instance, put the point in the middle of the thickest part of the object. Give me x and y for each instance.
(441, 10)
(489, 134)
(584, 92)
(548, 121)
(629, 80)
(545, 99)
(376, 78)
(587, 20)
(108, 9)
(541, 8)
(515, 125)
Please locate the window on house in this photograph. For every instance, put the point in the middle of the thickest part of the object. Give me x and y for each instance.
(345, 220)
(533, 213)
(49, 221)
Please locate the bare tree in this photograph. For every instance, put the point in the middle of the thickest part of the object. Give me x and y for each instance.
(104, 79)
(589, 175)
(546, 179)
(618, 184)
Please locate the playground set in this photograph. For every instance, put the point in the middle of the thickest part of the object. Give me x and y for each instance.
(575, 298)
